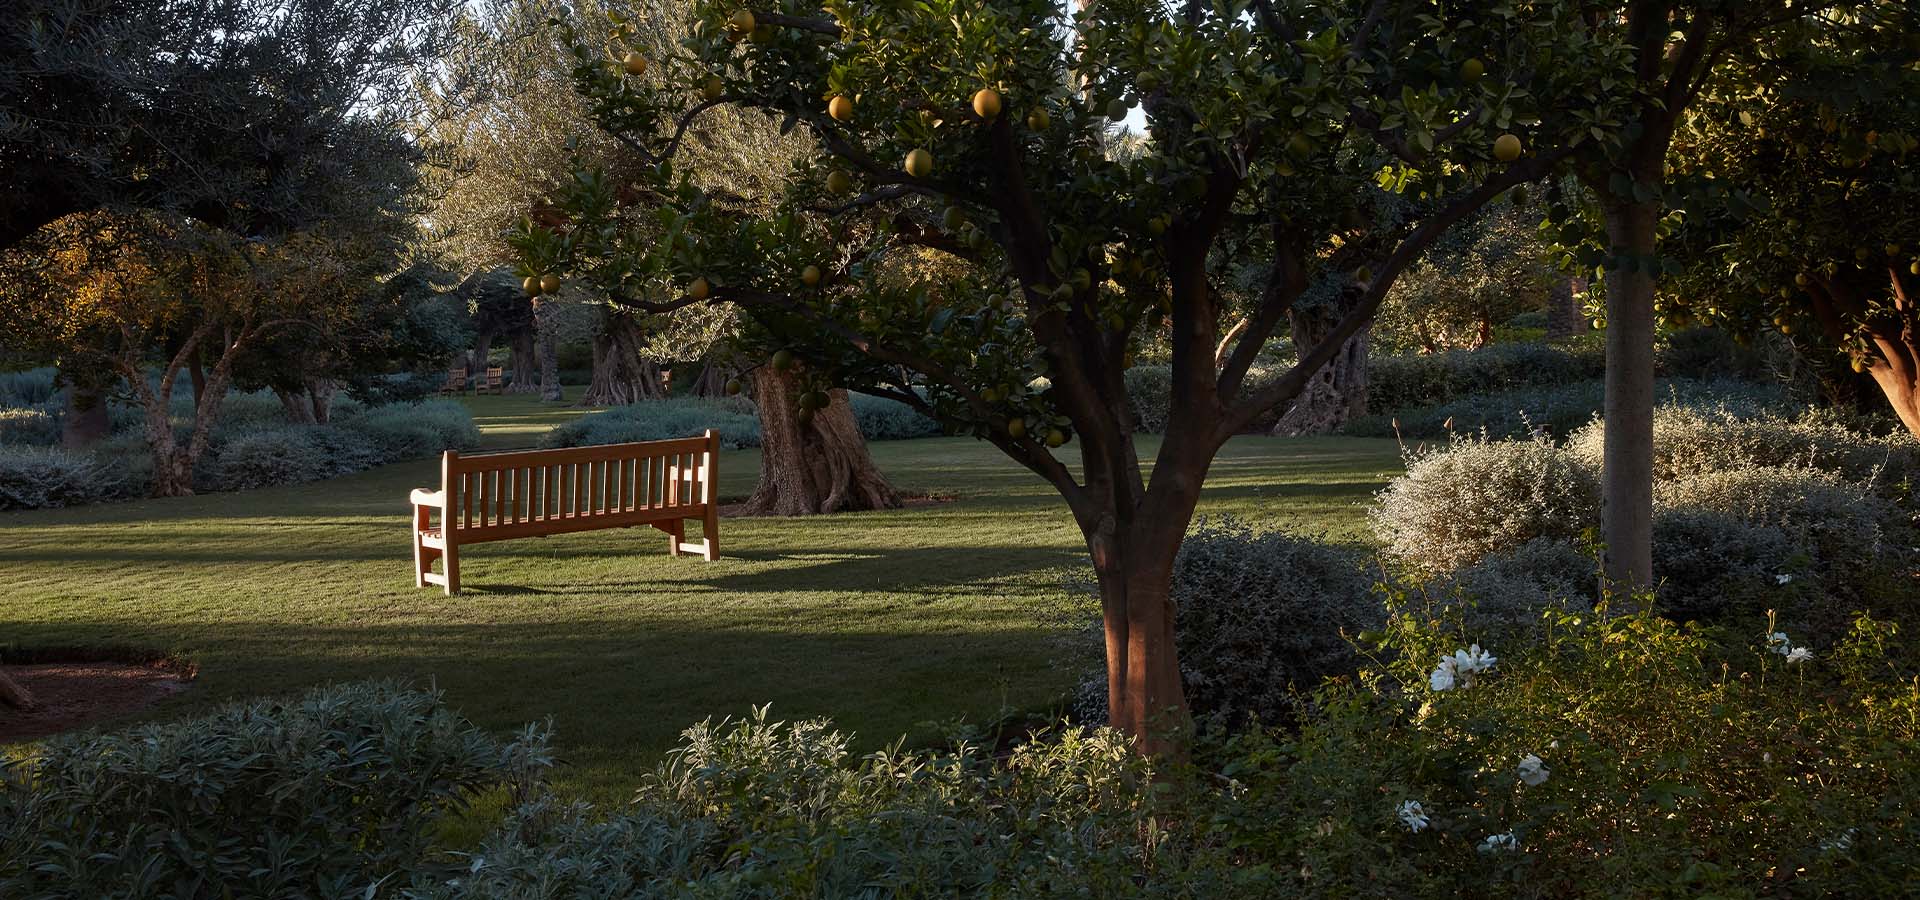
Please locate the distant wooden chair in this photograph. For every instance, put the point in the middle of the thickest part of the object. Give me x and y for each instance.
(456, 381)
(534, 493)
(495, 382)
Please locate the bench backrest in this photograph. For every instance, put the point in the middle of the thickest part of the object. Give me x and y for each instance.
(493, 496)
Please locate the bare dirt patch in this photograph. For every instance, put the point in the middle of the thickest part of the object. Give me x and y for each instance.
(71, 695)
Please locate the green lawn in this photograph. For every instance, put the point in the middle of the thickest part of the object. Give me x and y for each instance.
(885, 621)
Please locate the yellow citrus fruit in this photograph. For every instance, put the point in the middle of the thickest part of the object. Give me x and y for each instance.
(699, 289)
(1056, 437)
(742, 23)
(1017, 429)
(810, 276)
(1039, 120)
(919, 163)
(1471, 70)
(549, 283)
(733, 386)
(531, 284)
(713, 88)
(839, 182)
(783, 360)
(635, 63)
(1506, 148)
(986, 103)
(840, 108)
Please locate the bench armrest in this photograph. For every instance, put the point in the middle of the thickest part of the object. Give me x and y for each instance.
(424, 497)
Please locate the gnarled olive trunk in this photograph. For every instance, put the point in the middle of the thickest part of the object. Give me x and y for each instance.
(820, 466)
(544, 327)
(1891, 332)
(525, 363)
(312, 405)
(711, 382)
(1338, 392)
(620, 375)
(85, 422)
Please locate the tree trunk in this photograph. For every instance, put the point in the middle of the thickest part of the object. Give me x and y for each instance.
(197, 370)
(295, 404)
(320, 393)
(711, 382)
(482, 347)
(620, 376)
(524, 362)
(544, 325)
(14, 694)
(1145, 696)
(1626, 513)
(1564, 319)
(1338, 392)
(818, 467)
(86, 421)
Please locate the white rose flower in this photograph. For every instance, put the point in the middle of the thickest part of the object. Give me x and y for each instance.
(1533, 772)
(1442, 678)
(1799, 654)
(1413, 815)
(1498, 842)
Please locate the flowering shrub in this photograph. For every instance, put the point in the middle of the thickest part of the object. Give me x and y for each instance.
(1459, 502)
(1615, 756)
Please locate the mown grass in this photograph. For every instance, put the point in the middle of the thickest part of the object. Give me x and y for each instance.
(888, 622)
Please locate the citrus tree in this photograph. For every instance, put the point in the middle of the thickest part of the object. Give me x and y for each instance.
(1327, 145)
(1808, 210)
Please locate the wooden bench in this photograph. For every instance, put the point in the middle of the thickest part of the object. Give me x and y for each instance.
(493, 384)
(456, 381)
(534, 493)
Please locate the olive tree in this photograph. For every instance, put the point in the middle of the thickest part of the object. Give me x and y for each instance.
(977, 132)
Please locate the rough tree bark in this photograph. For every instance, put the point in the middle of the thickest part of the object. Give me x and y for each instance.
(1338, 392)
(524, 361)
(312, 404)
(819, 467)
(711, 382)
(482, 346)
(173, 461)
(544, 326)
(86, 421)
(1564, 319)
(620, 375)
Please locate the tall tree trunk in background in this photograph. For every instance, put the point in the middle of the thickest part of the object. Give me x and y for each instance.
(544, 326)
(524, 361)
(1564, 319)
(197, 370)
(620, 376)
(294, 403)
(819, 467)
(711, 382)
(1338, 392)
(1626, 476)
(320, 394)
(85, 422)
(482, 346)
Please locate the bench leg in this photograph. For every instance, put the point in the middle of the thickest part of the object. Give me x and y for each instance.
(451, 559)
(710, 531)
(676, 532)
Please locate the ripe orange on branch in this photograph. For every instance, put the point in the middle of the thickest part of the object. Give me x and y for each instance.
(840, 108)
(986, 103)
(919, 162)
(1506, 148)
